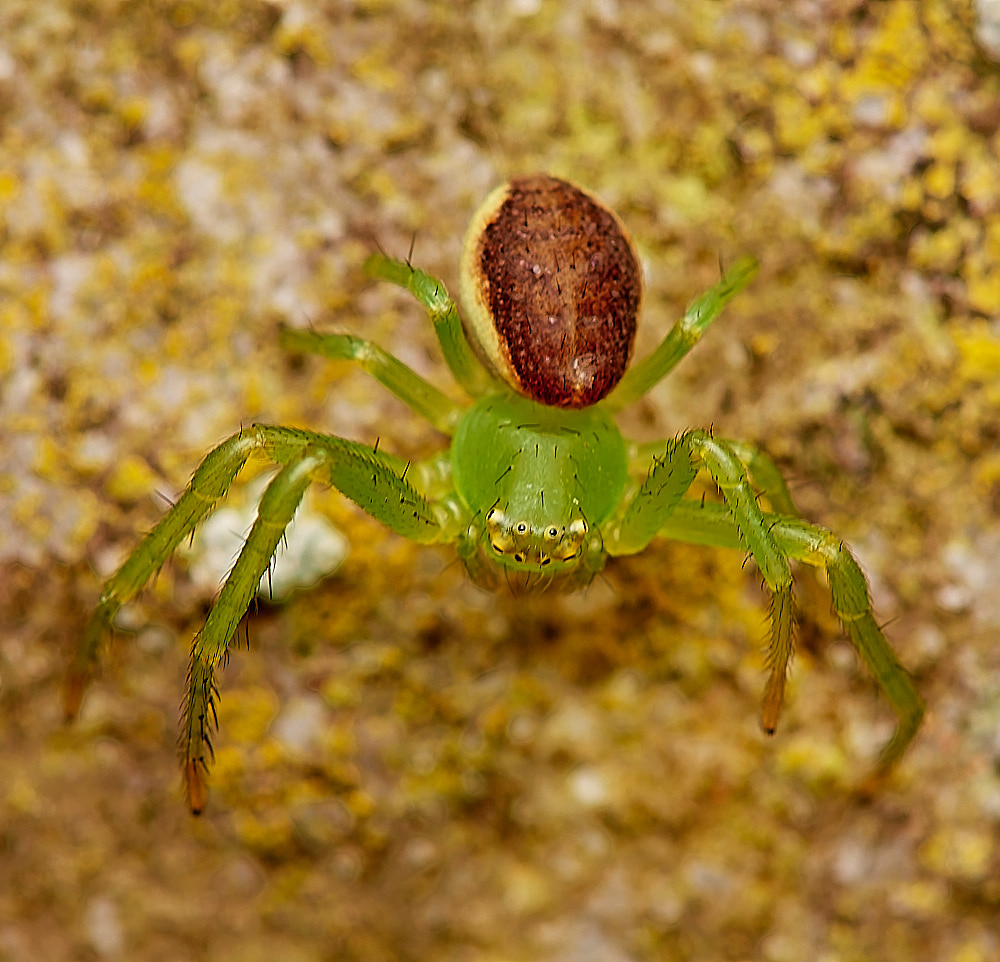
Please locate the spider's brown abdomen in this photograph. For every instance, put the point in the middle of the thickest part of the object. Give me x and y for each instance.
(551, 289)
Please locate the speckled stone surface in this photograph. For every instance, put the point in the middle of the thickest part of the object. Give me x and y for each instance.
(408, 768)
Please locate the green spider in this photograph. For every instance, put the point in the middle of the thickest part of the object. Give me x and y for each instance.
(538, 487)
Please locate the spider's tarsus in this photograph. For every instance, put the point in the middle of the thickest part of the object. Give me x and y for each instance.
(76, 685)
(194, 785)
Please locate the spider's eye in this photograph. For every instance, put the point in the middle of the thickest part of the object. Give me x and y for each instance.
(552, 533)
(551, 288)
(522, 528)
(496, 519)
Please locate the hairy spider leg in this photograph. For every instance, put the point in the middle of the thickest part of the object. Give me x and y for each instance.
(208, 485)
(730, 475)
(683, 336)
(762, 470)
(372, 480)
(465, 366)
(413, 390)
(650, 508)
(277, 506)
(708, 523)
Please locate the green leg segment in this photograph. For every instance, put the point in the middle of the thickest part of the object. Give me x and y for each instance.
(762, 470)
(210, 483)
(682, 337)
(852, 605)
(729, 474)
(465, 366)
(765, 474)
(374, 481)
(211, 645)
(656, 500)
(710, 523)
(403, 381)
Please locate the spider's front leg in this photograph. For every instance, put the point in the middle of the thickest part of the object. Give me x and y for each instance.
(654, 503)
(373, 480)
(764, 473)
(728, 472)
(710, 523)
(207, 487)
(852, 604)
(275, 511)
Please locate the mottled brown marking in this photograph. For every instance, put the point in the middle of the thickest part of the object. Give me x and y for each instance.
(563, 286)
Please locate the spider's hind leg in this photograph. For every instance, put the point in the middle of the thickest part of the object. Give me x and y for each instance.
(682, 337)
(404, 382)
(466, 367)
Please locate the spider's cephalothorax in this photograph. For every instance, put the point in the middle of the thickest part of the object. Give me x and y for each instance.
(538, 480)
(538, 485)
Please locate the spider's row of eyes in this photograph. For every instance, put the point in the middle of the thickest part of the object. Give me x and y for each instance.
(495, 518)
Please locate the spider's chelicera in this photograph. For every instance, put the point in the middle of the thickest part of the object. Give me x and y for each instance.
(538, 487)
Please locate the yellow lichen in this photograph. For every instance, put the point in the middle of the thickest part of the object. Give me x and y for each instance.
(959, 852)
(131, 480)
(820, 763)
(979, 351)
(920, 899)
(269, 832)
(303, 37)
(10, 186)
(895, 53)
(979, 178)
(981, 950)
(938, 250)
(984, 291)
(939, 180)
(246, 714)
(375, 70)
(132, 112)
